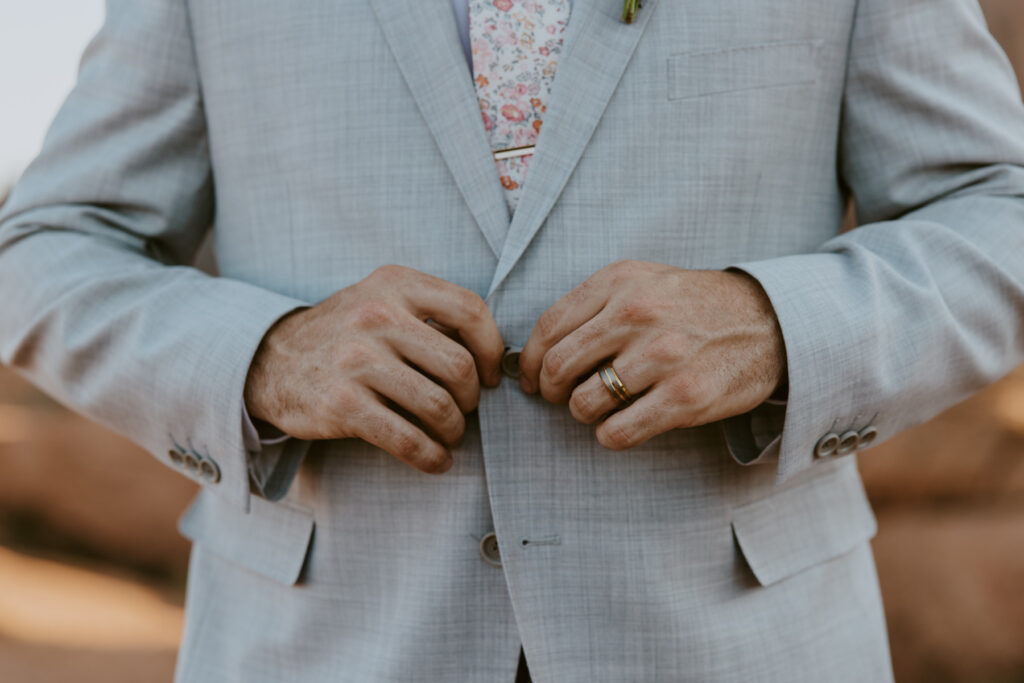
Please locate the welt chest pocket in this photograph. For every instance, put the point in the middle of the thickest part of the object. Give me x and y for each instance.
(746, 67)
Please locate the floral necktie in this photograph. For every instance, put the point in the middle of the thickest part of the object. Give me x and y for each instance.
(515, 46)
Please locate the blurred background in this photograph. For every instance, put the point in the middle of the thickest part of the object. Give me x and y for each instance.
(92, 569)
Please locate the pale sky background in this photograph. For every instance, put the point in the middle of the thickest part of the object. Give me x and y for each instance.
(41, 42)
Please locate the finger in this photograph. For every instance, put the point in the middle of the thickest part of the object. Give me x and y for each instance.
(429, 402)
(376, 424)
(575, 308)
(441, 357)
(462, 310)
(591, 400)
(577, 355)
(650, 415)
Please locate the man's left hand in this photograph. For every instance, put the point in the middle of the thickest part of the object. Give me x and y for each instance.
(691, 346)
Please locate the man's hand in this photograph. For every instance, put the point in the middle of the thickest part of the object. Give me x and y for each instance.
(351, 365)
(699, 345)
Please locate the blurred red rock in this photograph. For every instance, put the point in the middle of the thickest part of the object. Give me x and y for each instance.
(84, 485)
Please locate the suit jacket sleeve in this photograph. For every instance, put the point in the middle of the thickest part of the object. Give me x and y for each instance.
(98, 306)
(920, 306)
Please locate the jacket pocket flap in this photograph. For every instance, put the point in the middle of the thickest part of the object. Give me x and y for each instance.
(711, 72)
(271, 539)
(801, 526)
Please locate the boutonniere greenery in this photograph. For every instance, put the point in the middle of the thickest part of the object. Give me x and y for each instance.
(629, 10)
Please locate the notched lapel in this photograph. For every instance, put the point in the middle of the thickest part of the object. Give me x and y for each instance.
(425, 41)
(596, 47)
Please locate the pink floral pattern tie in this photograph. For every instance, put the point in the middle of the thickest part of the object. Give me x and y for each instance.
(515, 46)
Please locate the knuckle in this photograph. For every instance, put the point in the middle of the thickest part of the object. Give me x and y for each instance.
(474, 307)
(463, 367)
(664, 348)
(434, 460)
(356, 356)
(455, 427)
(552, 365)
(407, 447)
(343, 400)
(440, 406)
(689, 390)
(621, 268)
(371, 315)
(389, 272)
(365, 423)
(638, 312)
(616, 437)
(581, 405)
(546, 325)
(340, 391)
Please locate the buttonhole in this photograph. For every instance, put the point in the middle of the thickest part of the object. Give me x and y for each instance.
(552, 539)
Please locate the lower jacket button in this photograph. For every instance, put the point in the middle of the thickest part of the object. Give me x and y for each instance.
(510, 362)
(489, 549)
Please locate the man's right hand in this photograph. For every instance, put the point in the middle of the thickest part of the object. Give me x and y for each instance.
(354, 363)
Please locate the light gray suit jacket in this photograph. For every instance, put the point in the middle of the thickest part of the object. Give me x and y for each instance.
(324, 138)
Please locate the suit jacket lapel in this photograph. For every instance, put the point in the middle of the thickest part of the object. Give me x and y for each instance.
(425, 41)
(595, 49)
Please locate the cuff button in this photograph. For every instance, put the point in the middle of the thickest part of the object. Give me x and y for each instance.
(867, 435)
(176, 457)
(191, 464)
(827, 445)
(209, 471)
(848, 442)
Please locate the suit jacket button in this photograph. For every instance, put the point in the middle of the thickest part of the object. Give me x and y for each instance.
(489, 549)
(510, 362)
(177, 459)
(209, 471)
(867, 435)
(848, 442)
(191, 463)
(827, 445)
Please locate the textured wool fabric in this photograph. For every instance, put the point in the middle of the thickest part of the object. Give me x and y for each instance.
(516, 46)
(322, 139)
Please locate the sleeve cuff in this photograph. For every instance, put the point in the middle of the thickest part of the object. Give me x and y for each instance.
(753, 438)
(274, 457)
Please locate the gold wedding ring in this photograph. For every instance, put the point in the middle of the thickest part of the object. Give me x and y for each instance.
(614, 384)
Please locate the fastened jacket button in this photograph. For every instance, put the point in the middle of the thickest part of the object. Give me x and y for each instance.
(827, 445)
(848, 442)
(510, 361)
(209, 471)
(867, 435)
(191, 463)
(489, 549)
